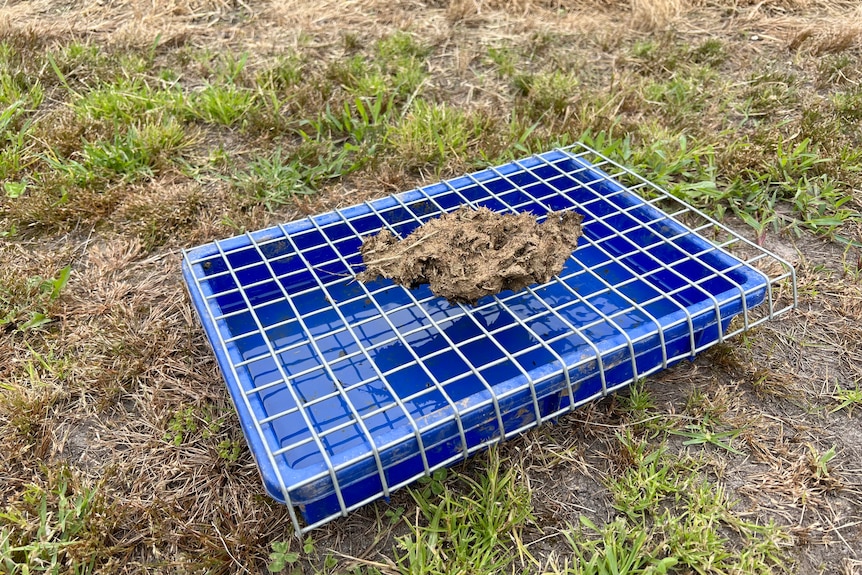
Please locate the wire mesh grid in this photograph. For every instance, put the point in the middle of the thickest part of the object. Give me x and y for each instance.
(347, 390)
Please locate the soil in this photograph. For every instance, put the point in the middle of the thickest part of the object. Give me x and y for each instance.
(469, 254)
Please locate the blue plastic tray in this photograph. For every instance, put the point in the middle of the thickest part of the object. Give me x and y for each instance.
(347, 390)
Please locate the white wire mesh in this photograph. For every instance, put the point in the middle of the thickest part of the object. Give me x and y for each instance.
(347, 391)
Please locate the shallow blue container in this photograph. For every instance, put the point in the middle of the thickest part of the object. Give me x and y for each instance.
(348, 390)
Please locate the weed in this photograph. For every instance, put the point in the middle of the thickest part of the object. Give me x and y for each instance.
(848, 105)
(123, 157)
(229, 449)
(281, 557)
(648, 481)
(637, 399)
(504, 59)
(308, 545)
(14, 135)
(15, 88)
(769, 93)
(14, 190)
(230, 66)
(28, 397)
(394, 514)
(285, 73)
(847, 398)
(397, 70)
(793, 164)
(673, 161)
(818, 206)
(29, 304)
(127, 157)
(686, 519)
(549, 92)
(663, 59)
(73, 61)
(835, 69)
(710, 52)
(182, 423)
(644, 49)
(362, 122)
(701, 434)
(683, 95)
(400, 46)
(356, 74)
(819, 463)
(351, 42)
(434, 484)
(792, 177)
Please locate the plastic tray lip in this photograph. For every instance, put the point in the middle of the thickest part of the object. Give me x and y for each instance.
(278, 484)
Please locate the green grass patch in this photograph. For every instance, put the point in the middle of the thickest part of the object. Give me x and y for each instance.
(275, 179)
(848, 105)
(505, 60)
(548, 92)
(770, 93)
(223, 105)
(787, 188)
(468, 525)
(133, 152)
(135, 155)
(397, 67)
(15, 87)
(682, 96)
(16, 153)
(675, 517)
(30, 393)
(51, 529)
(129, 101)
(283, 74)
(436, 134)
(617, 550)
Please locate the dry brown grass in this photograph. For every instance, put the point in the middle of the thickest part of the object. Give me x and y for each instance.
(828, 38)
(653, 14)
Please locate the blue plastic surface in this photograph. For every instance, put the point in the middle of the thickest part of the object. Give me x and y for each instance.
(313, 358)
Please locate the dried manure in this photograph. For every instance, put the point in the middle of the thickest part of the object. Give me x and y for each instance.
(467, 254)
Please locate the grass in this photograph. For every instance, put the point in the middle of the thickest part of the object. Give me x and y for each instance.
(275, 181)
(29, 302)
(681, 517)
(223, 105)
(847, 398)
(469, 528)
(48, 531)
(437, 135)
(119, 147)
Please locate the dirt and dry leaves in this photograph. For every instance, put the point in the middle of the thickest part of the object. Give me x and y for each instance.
(468, 254)
(114, 417)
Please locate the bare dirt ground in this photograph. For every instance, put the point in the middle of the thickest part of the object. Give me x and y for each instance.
(125, 367)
